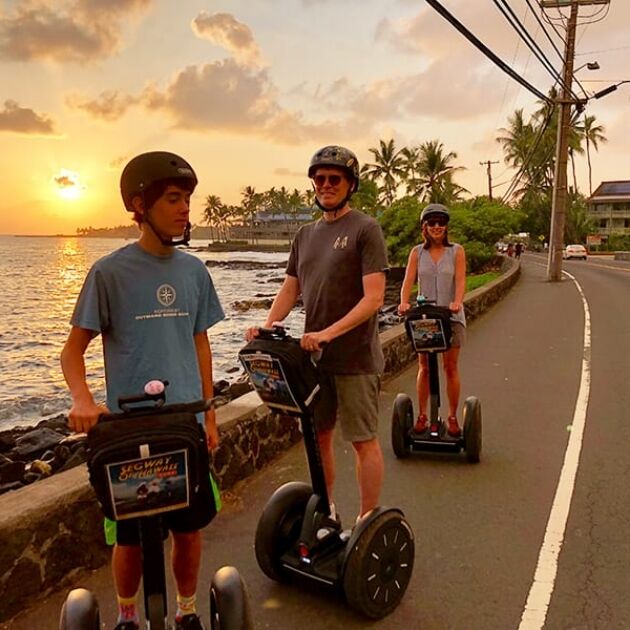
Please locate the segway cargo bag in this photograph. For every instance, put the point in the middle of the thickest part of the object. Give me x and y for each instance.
(429, 328)
(146, 464)
(282, 373)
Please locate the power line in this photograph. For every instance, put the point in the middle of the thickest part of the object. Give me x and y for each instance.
(485, 50)
(522, 32)
(545, 31)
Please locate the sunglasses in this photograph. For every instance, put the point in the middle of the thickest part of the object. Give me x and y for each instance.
(333, 180)
(434, 222)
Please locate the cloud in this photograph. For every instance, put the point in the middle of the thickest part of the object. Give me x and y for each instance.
(226, 31)
(24, 120)
(110, 104)
(78, 32)
(222, 95)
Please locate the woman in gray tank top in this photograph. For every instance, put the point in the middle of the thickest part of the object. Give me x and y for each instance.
(440, 269)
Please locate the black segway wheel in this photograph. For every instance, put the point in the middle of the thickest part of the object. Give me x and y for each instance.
(472, 429)
(379, 566)
(402, 421)
(229, 601)
(80, 611)
(279, 526)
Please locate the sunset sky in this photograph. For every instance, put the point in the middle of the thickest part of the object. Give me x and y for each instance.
(247, 90)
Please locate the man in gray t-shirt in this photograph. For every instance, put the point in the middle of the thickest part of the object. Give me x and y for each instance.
(338, 265)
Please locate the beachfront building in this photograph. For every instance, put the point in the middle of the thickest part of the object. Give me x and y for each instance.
(609, 209)
(272, 225)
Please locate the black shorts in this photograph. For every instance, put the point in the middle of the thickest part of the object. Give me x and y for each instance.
(197, 515)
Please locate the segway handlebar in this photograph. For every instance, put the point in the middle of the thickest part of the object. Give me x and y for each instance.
(155, 392)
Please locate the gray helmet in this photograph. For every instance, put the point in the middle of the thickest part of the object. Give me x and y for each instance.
(340, 157)
(435, 210)
(148, 168)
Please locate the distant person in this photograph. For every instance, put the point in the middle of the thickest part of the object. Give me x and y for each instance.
(510, 250)
(338, 265)
(126, 297)
(439, 268)
(518, 249)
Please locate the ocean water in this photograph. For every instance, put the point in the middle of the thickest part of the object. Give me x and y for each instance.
(40, 279)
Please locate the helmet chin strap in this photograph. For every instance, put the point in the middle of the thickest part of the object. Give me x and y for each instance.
(168, 241)
(339, 206)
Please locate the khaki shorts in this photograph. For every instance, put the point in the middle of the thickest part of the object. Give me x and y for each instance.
(458, 334)
(353, 400)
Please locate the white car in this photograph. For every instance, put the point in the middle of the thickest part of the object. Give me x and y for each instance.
(574, 251)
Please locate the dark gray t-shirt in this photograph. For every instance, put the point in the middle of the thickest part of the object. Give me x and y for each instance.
(329, 260)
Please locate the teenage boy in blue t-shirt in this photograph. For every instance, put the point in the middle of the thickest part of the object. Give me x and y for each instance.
(152, 305)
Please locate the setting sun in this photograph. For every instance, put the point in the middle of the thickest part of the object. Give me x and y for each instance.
(68, 184)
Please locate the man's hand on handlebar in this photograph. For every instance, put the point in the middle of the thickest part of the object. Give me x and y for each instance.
(313, 341)
(403, 308)
(84, 415)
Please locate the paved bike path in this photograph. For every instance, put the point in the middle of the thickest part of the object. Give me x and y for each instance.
(478, 527)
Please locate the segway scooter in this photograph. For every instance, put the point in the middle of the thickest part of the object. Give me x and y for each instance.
(142, 469)
(429, 328)
(296, 534)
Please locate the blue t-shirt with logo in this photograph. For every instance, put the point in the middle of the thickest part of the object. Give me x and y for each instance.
(148, 309)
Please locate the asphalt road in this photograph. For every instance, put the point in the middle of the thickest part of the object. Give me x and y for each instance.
(478, 528)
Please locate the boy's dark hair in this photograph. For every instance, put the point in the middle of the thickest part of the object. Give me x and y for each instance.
(156, 190)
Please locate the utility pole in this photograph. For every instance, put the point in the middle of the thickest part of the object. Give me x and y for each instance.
(489, 163)
(559, 202)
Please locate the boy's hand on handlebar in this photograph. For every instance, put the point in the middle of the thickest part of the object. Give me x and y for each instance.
(212, 432)
(252, 333)
(313, 341)
(403, 307)
(455, 307)
(84, 415)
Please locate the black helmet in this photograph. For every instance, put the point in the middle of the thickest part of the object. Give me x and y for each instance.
(148, 168)
(435, 210)
(340, 157)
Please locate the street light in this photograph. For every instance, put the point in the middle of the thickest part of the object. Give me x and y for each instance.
(591, 65)
(609, 89)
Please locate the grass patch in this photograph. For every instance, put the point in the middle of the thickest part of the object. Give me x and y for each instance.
(474, 282)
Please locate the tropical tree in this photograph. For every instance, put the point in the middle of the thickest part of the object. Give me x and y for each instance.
(211, 213)
(435, 174)
(250, 203)
(593, 135)
(388, 168)
(366, 198)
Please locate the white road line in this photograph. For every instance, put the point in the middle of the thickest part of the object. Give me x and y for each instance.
(535, 612)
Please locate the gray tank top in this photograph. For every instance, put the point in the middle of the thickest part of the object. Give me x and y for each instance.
(436, 281)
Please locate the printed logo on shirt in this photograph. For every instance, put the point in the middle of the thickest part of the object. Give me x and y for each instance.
(166, 294)
(340, 243)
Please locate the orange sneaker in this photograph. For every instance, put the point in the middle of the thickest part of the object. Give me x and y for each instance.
(453, 428)
(421, 423)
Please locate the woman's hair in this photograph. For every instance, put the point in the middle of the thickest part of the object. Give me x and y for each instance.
(426, 241)
(156, 190)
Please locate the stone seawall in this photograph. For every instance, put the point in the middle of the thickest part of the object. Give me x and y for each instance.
(52, 529)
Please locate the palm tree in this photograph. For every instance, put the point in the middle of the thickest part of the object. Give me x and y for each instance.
(251, 201)
(411, 157)
(435, 173)
(211, 212)
(388, 167)
(593, 134)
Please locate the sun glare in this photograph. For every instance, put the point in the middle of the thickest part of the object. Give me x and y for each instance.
(68, 184)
